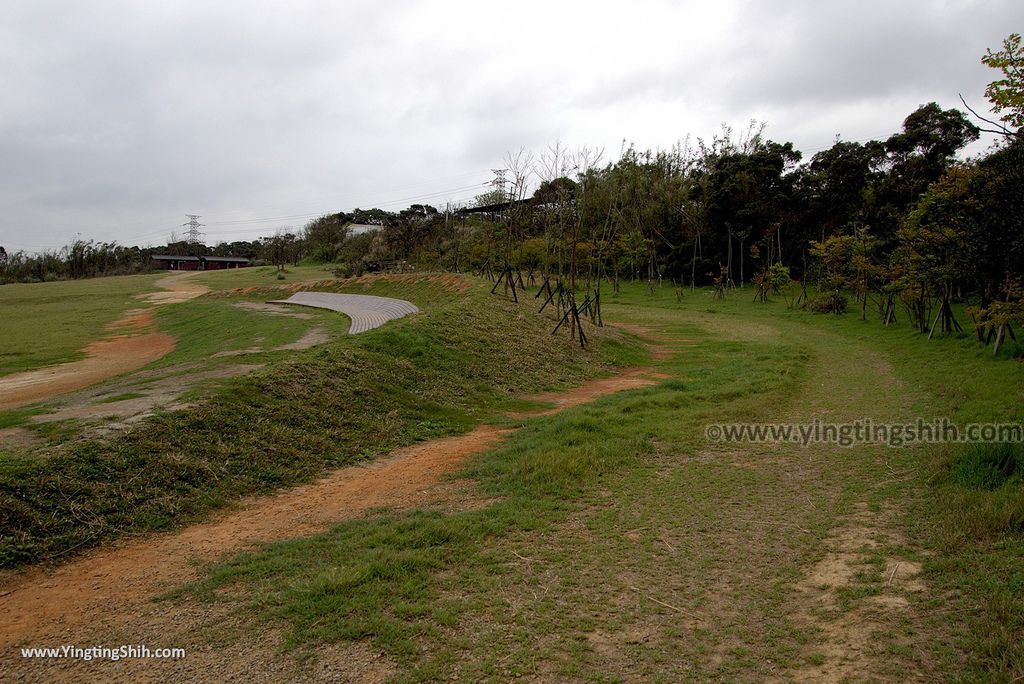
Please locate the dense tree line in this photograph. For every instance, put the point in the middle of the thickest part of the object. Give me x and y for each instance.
(91, 259)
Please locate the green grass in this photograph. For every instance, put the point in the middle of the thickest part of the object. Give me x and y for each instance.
(47, 323)
(440, 372)
(209, 325)
(608, 513)
(988, 466)
(16, 417)
(260, 276)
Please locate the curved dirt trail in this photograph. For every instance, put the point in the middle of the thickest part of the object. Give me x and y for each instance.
(133, 343)
(175, 288)
(111, 586)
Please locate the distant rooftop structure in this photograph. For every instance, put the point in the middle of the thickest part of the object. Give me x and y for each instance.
(226, 259)
(492, 208)
(362, 228)
(177, 262)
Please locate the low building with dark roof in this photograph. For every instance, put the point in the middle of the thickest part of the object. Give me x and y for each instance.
(212, 263)
(175, 262)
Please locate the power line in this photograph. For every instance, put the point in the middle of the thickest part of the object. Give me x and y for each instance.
(333, 199)
(254, 228)
(412, 198)
(253, 225)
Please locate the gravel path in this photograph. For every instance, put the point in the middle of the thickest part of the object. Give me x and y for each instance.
(366, 311)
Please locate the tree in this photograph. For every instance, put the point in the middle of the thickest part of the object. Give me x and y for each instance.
(1007, 93)
(771, 281)
(279, 249)
(996, 211)
(746, 193)
(917, 157)
(1009, 310)
(833, 187)
(408, 229)
(847, 262)
(489, 198)
(324, 235)
(935, 246)
(370, 217)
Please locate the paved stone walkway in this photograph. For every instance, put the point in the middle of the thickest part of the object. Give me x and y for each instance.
(366, 311)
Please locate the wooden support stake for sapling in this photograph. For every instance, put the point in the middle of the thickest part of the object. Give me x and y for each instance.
(545, 287)
(999, 339)
(565, 317)
(551, 296)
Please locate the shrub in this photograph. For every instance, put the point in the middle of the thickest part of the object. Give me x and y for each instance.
(988, 466)
(983, 492)
(828, 302)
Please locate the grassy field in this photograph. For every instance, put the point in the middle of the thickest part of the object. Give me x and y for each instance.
(47, 323)
(267, 276)
(437, 373)
(614, 542)
(622, 545)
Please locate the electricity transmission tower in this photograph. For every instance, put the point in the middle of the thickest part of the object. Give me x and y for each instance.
(499, 181)
(193, 234)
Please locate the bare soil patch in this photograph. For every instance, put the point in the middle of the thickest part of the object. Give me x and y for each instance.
(274, 309)
(163, 393)
(849, 638)
(631, 379)
(18, 438)
(174, 289)
(311, 338)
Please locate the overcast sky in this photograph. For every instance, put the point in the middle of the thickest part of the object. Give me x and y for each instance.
(118, 118)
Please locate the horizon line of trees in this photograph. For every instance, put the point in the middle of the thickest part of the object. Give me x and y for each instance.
(93, 259)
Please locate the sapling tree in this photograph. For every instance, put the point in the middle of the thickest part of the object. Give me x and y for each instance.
(846, 262)
(935, 244)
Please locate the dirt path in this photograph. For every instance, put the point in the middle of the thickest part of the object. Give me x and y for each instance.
(175, 289)
(111, 585)
(133, 343)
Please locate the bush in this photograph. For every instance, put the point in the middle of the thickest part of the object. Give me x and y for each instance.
(983, 493)
(828, 302)
(988, 466)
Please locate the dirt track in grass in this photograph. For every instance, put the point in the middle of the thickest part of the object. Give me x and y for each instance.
(111, 586)
(133, 342)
